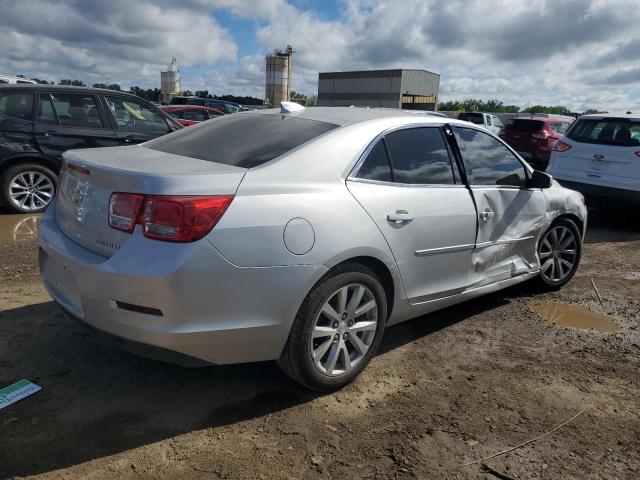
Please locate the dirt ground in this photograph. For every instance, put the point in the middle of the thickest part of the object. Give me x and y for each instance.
(446, 389)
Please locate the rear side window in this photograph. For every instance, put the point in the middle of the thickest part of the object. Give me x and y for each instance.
(487, 161)
(46, 113)
(520, 125)
(559, 127)
(77, 110)
(376, 166)
(17, 105)
(608, 131)
(419, 155)
(244, 140)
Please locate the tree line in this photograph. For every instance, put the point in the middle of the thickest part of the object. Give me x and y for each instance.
(496, 106)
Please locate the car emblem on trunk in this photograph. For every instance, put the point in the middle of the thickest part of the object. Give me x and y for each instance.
(78, 194)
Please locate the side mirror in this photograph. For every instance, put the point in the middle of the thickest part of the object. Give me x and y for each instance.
(539, 180)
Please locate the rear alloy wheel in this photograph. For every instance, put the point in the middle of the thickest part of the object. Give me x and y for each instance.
(28, 188)
(337, 330)
(559, 252)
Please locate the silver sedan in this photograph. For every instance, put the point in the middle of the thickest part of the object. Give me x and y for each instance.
(299, 235)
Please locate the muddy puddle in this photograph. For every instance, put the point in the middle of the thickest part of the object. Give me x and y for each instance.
(17, 228)
(575, 316)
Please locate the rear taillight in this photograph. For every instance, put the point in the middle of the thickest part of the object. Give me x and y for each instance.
(169, 218)
(637, 154)
(560, 146)
(123, 210)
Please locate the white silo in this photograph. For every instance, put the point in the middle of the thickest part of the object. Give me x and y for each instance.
(170, 82)
(278, 78)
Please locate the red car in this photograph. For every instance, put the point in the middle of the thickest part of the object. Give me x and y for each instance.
(534, 137)
(191, 114)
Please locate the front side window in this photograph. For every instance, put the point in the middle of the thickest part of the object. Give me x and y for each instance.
(77, 110)
(376, 166)
(497, 122)
(606, 131)
(16, 105)
(487, 161)
(420, 156)
(132, 116)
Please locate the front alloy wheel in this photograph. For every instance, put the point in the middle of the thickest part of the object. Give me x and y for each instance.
(559, 253)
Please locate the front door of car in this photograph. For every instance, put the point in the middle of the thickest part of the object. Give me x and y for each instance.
(510, 215)
(135, 121)
(71, 120)
(410, 187)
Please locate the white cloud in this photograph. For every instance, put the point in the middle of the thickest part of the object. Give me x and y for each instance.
(580, 53)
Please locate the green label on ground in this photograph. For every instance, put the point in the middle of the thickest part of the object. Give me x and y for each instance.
(17, 391)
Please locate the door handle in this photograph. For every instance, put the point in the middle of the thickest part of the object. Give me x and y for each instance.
(486, 214)
(48, 133)
(132, 139)
(400, 216)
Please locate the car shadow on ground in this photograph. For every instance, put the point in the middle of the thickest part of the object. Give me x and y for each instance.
(97, 400)
(612, 226)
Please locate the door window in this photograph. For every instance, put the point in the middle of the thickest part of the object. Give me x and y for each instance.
(487, 161)
(497, 122)
(420, 156)
(17, 105)
(46, 113)
(376, 166)
(132, 116)
(197, 115)
(76, 110)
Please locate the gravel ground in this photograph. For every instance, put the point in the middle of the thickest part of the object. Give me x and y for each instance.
(445, 390)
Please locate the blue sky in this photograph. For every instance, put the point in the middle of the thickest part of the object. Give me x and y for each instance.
(577, 53)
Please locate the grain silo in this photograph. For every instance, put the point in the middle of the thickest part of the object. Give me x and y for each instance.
(278, 81)
(170, 82)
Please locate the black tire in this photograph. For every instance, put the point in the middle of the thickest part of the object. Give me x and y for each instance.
(296, 359)
(12, 172)
(543, 279)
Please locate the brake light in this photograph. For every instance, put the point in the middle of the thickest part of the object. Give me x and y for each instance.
(637, 154)
(123, 210)
(560, 146)
(176, 218)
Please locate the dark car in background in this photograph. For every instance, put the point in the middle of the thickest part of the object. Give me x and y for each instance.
(40, 122)
(188, 115)
(224, 105)
(533, 138)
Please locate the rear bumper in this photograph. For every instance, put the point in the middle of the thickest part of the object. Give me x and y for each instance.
(603, 196)
(208, 308)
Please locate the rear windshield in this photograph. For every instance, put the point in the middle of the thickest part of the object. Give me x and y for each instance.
(178, 101)
(518, 125)
(607, 131)
(476, 118)
(243, 140)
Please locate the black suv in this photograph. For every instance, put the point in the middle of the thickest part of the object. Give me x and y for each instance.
(39, 122)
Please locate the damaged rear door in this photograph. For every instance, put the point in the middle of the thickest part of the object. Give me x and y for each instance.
(510, 215)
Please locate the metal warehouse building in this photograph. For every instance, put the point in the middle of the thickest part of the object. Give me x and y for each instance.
(410, 89)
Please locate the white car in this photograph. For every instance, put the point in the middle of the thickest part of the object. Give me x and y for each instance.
(486, 120)
(7, 79)
(599, 156)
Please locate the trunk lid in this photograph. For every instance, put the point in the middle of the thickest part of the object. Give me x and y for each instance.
(92, 175)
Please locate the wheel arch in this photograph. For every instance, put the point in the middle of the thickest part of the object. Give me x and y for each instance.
(382, 271)
(574, 218)
(29, 158)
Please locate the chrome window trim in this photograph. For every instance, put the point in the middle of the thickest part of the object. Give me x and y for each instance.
(377, 138)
